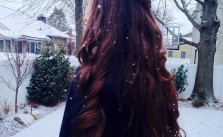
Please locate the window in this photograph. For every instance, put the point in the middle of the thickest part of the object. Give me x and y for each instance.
(170, 54)
(38, 47)
(183, 54)
(18, 46)
(8, 45)
(32, 47)
(1, 45)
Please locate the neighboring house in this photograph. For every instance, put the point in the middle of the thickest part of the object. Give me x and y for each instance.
(58, 38)
(182, 51)
(19, 33)
(219, 49)
(5, 39)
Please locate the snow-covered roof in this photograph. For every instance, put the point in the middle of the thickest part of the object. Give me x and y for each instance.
(47, 29)
(6, 33)
(21, 25)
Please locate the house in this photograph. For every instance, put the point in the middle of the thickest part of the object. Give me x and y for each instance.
(183, 51)
(20, 33)
(219, 48)
(58, 38)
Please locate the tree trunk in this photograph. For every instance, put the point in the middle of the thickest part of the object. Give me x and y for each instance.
(203, 88)
(16, 99)
(78, 20)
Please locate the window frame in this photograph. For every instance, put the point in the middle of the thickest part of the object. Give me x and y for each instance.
(17, 43)
(10, 49)
(3, 46)
(30, 46)
(170, 55)
(183, 54)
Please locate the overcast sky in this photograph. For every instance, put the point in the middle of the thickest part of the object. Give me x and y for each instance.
(178, 17)
(13, 4)
(19, 4)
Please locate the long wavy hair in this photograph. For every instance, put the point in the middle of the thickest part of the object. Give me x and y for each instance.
(126, 29)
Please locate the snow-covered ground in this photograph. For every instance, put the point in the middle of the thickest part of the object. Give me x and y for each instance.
(9, 127)
(203, 122)
(48, 126)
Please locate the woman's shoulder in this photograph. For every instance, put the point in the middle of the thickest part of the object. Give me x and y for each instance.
(73, 106)
(74, 84)
(77, 73)
(74, 89)
(75, 78)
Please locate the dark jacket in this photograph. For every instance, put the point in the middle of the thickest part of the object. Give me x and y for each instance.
(116, 119)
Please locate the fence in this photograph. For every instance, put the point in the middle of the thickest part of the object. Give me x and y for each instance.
(5, 92)
(192, 68)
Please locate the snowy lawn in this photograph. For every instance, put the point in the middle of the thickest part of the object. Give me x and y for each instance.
(49, 126)
(9, 127)
(202, 122)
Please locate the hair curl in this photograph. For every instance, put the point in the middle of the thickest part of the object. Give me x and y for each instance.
(126, 29)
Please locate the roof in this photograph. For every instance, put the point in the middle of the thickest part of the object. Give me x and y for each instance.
(21, 25)
(6, 33)
(47, 29)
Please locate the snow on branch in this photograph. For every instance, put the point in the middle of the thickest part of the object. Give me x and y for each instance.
(186, 12)
(19, 67)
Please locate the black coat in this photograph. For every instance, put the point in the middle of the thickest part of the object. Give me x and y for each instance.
(116, 118)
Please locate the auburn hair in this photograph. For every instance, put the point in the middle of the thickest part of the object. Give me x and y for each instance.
(126, 29)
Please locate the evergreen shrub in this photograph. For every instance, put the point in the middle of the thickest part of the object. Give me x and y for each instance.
(180, 79)
(50, 79)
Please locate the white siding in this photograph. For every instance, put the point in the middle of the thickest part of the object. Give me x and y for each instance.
(219, 55)
(219, 50)
(195, 38)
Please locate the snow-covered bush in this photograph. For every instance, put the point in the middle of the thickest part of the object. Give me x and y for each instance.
(180, 79)
(49, 82)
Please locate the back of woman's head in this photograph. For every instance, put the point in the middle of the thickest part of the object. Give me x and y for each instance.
(125, 29)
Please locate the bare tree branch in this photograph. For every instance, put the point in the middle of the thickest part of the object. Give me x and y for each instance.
(188, 42)
(200, 2)
(186, 12)
(7, 83)
(20, 69)
(12, 67)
